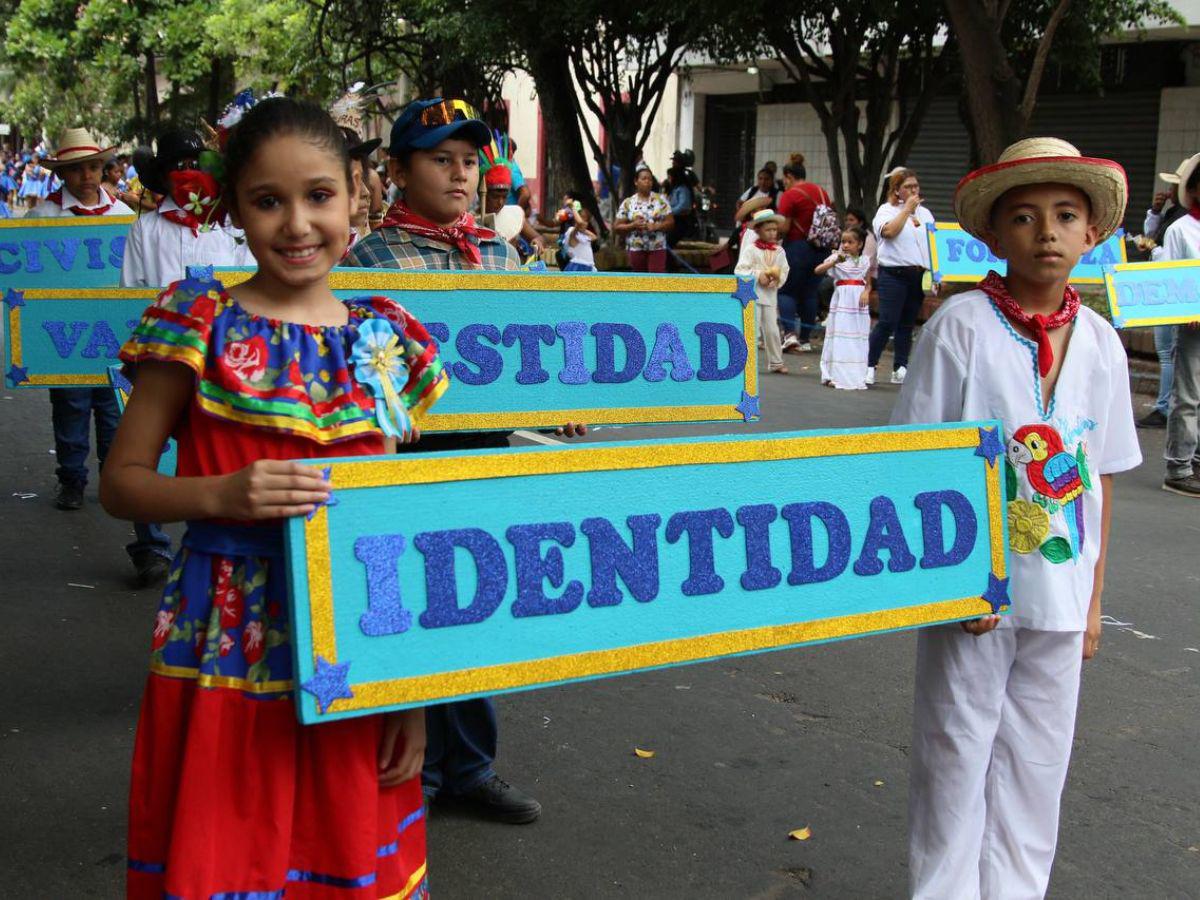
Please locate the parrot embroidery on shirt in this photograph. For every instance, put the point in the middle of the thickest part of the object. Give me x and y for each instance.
(1058, 479)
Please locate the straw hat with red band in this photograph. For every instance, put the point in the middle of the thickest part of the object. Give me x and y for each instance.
(1043, 161)
(75, 146)
(1180, 177)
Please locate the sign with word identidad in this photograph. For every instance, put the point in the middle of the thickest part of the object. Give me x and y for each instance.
(954, 255)
(524, 568)
(67, 252)
(522, 350)
(1153, 293)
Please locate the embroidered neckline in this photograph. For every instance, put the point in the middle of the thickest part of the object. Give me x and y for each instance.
(1046, 412)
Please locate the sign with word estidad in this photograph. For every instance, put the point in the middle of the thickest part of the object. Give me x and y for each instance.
(67, 252)
(1154, 293)
(122, 388)
(955, 255)
(522, 350)
(440, 576)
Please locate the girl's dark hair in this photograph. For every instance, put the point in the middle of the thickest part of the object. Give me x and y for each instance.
(857, 213)
(858, 231)
(111, 164)
(279, 117)
(795, 167)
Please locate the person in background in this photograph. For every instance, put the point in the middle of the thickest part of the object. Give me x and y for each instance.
(681, 197)
(844, 353)
(765, 260)
(35, 182)
(763, 190)
(644, 219)
(519, 194)
(607, 189)
(506, 218)
(1159, 218)
(902, 260)
(798, 296)
(578, 241)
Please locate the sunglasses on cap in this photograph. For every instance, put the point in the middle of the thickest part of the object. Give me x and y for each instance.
(446, 112)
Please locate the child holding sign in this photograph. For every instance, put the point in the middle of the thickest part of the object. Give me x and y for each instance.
(230, 795)
(994, 710)
(764, 258)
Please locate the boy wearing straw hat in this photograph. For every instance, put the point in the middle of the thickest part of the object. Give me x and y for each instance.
(765, 260)
(1182, 241)
(79, 162)
(995, 698)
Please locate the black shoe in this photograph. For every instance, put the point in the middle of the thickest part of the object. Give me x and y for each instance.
(69, 496)
(1185, 487)
(151, 569)
(1152, 419)
(499, 800)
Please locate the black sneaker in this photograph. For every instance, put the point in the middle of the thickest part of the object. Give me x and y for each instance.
(497, 799)
(151, 569)
(1153, 419)
(69, 496)
(1185, 487)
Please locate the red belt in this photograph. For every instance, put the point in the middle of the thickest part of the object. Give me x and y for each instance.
(850, 282)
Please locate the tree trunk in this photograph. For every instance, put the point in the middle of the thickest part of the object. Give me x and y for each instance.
(151, 95)
(566, 163)
(993, 89)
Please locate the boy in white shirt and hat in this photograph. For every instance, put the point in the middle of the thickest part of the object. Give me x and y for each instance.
(79, 162)
(995, 698)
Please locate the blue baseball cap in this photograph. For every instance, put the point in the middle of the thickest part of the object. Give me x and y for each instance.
(426, 123)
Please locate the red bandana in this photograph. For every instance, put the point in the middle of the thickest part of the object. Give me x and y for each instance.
(1040, 325)
(766, 245)
(56, 197)
(457, 235)
(194, 192)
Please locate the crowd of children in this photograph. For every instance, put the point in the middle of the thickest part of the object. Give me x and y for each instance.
(230, 796)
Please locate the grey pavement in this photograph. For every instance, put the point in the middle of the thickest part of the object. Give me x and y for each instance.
(746, 749)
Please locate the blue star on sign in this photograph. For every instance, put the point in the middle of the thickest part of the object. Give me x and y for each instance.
(14, 298)
(17, 374)
(748, 407)
(997, 592)
(989, 445)
(330, 682)
(332, 501)
(745, 292)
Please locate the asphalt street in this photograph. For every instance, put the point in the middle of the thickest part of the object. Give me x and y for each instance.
(746, 750)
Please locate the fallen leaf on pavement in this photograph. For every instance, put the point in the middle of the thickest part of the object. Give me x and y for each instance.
(800, 834)
(878, 783)
(643, 754)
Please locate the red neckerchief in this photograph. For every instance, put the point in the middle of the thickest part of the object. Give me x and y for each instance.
(1194, 212)
(188, 188)
(56, 197)
(765, 245)
(457, 235)
(1040, 325)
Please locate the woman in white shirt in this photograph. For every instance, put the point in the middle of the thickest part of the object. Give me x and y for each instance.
(902, 258)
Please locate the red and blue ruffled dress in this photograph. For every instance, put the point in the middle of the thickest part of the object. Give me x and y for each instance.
(230, 795)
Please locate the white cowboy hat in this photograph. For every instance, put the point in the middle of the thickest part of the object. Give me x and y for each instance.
(1043, 161)
(766, 217)
(77, 145)
(1180, 177)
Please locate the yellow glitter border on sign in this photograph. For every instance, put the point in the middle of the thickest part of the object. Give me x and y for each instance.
(971, 279)
(1114, 307)
(596, 458)
(67, 222)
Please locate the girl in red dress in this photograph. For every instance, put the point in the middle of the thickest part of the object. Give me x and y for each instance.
(230, 796)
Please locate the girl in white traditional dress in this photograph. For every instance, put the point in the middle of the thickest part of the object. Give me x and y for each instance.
(844, 356)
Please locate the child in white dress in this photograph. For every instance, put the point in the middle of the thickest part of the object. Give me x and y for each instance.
(765, 260)
(844, 356)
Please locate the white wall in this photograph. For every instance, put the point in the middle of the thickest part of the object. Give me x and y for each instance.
(1178, 130)
(787, 128)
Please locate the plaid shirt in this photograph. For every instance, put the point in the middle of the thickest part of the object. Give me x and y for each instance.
(394, 248)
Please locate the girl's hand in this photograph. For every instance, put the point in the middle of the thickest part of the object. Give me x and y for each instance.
(765, 279)
(864, 299)
(1091, 635)
(982, 625)
(571, 429)
(401, 747)
(271, 489)
(412, 436)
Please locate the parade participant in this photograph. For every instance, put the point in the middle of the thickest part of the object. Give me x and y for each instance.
(35, 182)
(994, 709)
(1182, 241)
(645, 219)
(844, 353)
(799, 205)
(508, 219)
(189, 227)
(347, 113)
(578, 241)
(902, 259)
(765, 260)
(433, 158)
(230, 796)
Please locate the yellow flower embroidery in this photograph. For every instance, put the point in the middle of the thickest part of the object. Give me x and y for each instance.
(1028, 525)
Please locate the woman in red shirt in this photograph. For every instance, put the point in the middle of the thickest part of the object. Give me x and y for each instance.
(798, 295)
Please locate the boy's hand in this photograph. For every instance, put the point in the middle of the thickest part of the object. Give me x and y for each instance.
(1159, 199)
(982, 625)
(1091, 635)
(403, 731)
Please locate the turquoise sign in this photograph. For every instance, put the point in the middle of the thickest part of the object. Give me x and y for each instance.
(441, 576)
(1154, 293)
(70, 252)
(955, 255)
(522, 350)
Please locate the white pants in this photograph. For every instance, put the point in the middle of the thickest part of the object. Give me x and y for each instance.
(993, 721)
(768, 328)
